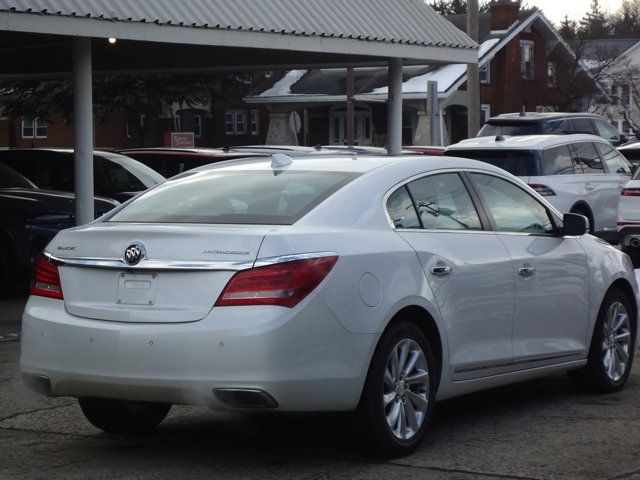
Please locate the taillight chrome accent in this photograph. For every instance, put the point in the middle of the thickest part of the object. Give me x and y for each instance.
(285, 284)
(543, 190)
(46, 279)
(630, 192)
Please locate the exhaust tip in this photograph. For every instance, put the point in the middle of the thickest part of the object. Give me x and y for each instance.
(244, 398)
(634, 242)
(37, 383)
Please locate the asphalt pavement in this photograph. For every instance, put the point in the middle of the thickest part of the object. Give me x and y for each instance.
(541, 429)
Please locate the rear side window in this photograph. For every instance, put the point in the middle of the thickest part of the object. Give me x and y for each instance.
(443, 203)
(515, 129)
(587, 157)
(401, 210)
(522, 163)
(616, 163)
(606, 131)
(632, 154)
(557, 127)
(234, 197)
(583, 125)
(557, 161)
(9, 178)
(47, 171)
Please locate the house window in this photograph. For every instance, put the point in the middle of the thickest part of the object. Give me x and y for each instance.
(485, 73)
(235, 122)
(197, 126)
(127, 126)
(615, 94)
(34, 128)
(526, 59)
(177, 125)
(255, 122)
(485, 112)
(552, 74)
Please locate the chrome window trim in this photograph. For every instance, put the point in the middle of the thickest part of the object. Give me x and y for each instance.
(179, 265)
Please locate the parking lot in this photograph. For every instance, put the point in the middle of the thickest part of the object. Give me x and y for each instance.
(534, 430)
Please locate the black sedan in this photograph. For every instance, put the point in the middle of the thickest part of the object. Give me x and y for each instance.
(29, 218)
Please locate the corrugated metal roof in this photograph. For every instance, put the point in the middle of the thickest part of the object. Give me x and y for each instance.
(410, 22)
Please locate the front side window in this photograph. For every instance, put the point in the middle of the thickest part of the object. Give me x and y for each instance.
(443, 203)
(521, 163)
(401, 210)
(587, 157)
(616, 163)
(557, 161)
(526, 59)
(557, 127)
(234, 197)
(512, 208)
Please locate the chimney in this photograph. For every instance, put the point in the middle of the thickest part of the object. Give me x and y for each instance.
(504, 13)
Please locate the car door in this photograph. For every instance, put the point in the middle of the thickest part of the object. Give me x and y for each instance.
(468, 268)
(600, 190)
(550, 273)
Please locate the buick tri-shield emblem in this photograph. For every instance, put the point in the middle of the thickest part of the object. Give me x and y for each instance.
(134, 253)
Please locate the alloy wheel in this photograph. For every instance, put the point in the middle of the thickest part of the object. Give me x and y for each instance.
(616, 342)
(406, 389)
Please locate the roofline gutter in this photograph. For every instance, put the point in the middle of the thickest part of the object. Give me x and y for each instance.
(174, 34)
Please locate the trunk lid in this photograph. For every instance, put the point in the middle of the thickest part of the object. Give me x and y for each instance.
(183, 270)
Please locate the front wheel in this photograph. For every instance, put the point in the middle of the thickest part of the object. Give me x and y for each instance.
(120, 417)
(612, 347)
(398, 396)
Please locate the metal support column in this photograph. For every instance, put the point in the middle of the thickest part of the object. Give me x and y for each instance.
(394, 125)
(473, 75)
(83, 129)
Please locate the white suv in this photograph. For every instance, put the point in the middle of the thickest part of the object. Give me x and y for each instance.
(577, 173)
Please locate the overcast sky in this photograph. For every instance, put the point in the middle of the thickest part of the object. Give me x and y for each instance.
(555, 10)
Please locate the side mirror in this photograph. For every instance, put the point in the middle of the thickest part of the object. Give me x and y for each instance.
(624, 138)
(574, 225)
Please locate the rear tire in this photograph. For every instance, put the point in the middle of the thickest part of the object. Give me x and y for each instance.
(612, 347)
(399, 391)
(120, 417)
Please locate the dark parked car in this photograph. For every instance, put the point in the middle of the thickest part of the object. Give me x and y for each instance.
(115, 176)
(552, 123)
(172, 161)
(29, 218)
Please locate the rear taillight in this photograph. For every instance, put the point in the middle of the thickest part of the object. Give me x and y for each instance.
(543, 190)
(284, 284)
(630, 192)
(46, 280)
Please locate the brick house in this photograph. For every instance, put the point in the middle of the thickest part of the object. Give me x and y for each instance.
(228, 120)
(525, 64)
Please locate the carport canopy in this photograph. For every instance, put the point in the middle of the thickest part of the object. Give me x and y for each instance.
(61, 38)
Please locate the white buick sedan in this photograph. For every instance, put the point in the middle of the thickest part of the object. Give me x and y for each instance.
(374, 284)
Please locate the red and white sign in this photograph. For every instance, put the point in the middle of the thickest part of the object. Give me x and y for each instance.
(179, 139)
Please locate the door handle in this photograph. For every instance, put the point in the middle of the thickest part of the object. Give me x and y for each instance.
(441, 270)
(526, 271)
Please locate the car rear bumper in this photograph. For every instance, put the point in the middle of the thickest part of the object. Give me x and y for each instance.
(302, 358)
(629, 235)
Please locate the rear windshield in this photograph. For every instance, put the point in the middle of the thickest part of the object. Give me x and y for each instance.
(246, 197)
(521, 163)
(515, 129)
(9, 178)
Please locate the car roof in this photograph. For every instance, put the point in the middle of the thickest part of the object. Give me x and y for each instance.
(533, 116)
(195, 152)
(523, 142)
(630, 146)
(65, 151)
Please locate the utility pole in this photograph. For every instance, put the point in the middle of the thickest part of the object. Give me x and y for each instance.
(473, 75)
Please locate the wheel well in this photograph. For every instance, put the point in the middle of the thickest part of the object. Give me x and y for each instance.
(425, 322)
(627, 289)
(583, 207)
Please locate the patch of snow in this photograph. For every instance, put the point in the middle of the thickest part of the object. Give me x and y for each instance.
(446, 75)
(283, 86)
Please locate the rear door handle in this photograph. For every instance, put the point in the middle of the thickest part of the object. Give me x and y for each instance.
(527, 271)
(441, 270)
